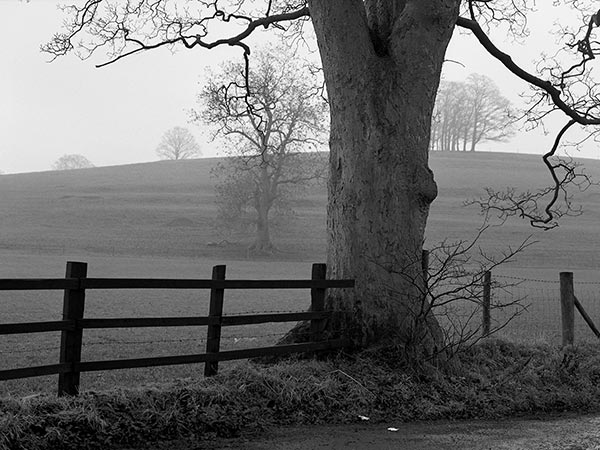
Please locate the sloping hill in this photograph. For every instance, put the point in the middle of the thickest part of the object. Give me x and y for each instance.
(167, 208)
(460, 176)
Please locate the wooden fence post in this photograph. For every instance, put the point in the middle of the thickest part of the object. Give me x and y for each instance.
(486, 303)
(317, 302)
(567, 308)
(213, 334)
(70, 340)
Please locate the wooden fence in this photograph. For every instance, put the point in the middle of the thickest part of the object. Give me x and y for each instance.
(73, 323)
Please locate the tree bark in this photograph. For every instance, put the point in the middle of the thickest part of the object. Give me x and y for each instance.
(263, 200)
(474, 138)
(465, 137)
(262, 242)
(382, 62)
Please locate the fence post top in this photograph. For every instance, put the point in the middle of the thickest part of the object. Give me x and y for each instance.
(218, 272)
(76, 269)
(319, 271)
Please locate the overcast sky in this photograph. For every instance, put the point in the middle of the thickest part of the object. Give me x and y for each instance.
(117, 114)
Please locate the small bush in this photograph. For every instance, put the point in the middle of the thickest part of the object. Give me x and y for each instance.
(492, 379)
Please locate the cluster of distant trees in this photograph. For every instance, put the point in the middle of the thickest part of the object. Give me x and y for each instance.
(466, 113)
(469, 112)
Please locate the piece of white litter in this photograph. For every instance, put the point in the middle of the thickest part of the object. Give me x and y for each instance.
(392, 429)
(363, 418)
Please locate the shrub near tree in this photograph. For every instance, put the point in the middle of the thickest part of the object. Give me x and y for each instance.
(269, 134)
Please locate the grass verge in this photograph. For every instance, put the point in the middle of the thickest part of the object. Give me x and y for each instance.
(493, 379)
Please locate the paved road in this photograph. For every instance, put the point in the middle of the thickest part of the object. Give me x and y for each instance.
(565, 433)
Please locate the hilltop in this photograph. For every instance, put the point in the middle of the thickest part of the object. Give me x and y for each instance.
(167, 209)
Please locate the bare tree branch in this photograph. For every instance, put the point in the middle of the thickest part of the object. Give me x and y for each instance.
(171, 27)
(579, 111)
(546, 86)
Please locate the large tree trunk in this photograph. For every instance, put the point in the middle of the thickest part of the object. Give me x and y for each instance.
(382, 61)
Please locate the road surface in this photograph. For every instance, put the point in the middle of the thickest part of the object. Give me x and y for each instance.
(564, 433)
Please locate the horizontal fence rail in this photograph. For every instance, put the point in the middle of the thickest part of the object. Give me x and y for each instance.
(24, 284)
(241, 319)
(71, 327)
(36, 327)
(92, 366)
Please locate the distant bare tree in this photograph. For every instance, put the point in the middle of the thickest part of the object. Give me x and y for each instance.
(270, 129)
(469, 112)
(178, 143)
(70, 162)
(491, 112)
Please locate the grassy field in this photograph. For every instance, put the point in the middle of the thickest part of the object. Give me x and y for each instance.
(163, 209)
(167, 209)
(156, 220)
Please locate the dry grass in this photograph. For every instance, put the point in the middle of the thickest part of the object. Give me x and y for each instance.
(494, 379)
